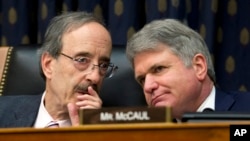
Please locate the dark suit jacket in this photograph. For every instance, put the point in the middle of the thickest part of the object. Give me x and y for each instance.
(232, 101)
(19, 111)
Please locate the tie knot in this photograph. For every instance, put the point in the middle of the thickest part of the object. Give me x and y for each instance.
(52, 124)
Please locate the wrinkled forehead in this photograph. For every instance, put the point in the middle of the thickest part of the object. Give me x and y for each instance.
(86, 40)
(90, 33)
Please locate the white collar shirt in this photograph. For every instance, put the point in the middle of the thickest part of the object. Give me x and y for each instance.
(209, 102)
(43, 117)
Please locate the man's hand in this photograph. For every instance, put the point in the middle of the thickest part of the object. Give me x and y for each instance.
(90, 100)
(86, 101)
(73, 114)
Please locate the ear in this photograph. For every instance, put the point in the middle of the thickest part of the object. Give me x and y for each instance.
(46, 63)
(200, 66)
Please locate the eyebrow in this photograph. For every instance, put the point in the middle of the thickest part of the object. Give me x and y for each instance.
(83, 54)
(87, 54)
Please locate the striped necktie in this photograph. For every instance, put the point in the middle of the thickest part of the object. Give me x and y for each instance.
(52, 124)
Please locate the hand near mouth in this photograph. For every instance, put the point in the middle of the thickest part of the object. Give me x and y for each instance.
(90, 100)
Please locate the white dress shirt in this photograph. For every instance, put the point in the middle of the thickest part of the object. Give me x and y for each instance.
(44, 118)
(209, 102)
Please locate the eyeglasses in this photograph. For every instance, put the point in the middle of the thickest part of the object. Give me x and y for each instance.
(82, 63)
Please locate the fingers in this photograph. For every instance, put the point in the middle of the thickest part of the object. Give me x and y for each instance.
(86, 101)
(92, 91)
(91, 100)
(73, 114)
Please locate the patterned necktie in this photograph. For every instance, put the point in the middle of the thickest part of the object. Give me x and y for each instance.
(52, 124)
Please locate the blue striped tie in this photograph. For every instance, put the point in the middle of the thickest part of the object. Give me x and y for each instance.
(52, 124)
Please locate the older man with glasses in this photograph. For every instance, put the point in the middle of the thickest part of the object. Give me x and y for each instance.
(74, 60)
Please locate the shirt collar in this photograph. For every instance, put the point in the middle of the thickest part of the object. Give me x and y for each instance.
(209, 102)
(43, 117)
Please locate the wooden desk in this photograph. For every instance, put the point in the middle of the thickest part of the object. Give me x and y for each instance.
(123, 132)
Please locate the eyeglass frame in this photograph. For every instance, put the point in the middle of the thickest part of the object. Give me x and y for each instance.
(107, 74)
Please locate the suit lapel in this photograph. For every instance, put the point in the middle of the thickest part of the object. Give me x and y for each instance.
(25, 115)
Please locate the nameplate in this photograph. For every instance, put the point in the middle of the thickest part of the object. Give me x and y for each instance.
(111, 115)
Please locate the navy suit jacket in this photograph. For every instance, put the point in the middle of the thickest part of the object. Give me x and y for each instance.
(21, 111)
(232, 101)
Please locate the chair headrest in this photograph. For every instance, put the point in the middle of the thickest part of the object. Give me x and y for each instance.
(23, 77)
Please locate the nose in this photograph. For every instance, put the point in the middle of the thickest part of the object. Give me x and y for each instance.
(93, 74)
(150, 84)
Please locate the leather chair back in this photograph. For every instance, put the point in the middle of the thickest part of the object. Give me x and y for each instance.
(21, 76)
